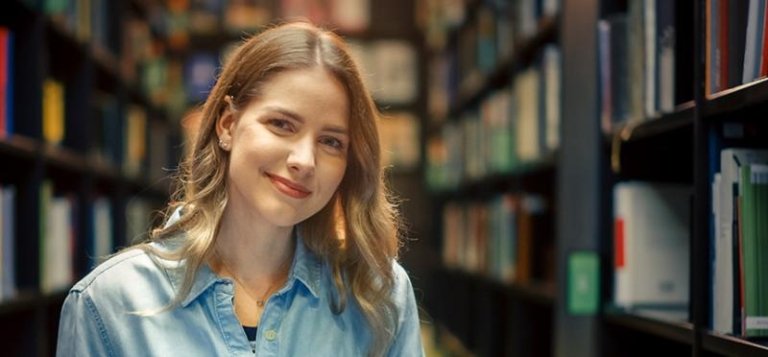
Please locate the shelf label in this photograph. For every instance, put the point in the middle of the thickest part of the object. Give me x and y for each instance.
(583, 283)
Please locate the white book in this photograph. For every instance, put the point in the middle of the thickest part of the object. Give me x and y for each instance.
(656, 245)
(57, 255)
(527, 89)
(754, 40)
(552, 100)
(649, 28)
(102, 221)
(722, 318)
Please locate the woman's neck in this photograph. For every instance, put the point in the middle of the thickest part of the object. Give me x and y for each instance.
(255, 252)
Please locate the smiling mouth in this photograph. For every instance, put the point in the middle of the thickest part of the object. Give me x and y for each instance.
(288, 187)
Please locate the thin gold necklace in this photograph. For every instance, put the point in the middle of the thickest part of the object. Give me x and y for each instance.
(259, 302)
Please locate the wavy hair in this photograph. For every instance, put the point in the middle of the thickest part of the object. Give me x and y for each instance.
(356, 232)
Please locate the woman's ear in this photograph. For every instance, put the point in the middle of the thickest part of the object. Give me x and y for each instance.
(225, 124)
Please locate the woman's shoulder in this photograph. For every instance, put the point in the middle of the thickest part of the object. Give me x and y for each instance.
(131, 266)
(403, 288)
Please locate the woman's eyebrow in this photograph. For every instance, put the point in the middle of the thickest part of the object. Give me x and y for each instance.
(338, 129)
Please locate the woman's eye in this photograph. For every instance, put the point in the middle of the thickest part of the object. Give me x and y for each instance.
(332, 143)
(281, 124)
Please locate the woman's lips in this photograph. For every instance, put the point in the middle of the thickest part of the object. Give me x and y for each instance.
(289, 187)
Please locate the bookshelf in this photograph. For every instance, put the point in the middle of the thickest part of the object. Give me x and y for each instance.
(683, 146)
(76, 167)
(658, 123)
(493, 147)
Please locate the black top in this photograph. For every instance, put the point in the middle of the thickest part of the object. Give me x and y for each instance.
(250, 331)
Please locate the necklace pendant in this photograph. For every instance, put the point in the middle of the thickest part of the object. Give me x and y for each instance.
(260, 303)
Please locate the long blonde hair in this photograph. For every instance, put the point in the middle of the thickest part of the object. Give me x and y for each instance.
(361, 211)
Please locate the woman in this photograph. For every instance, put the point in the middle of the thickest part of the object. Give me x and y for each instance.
(282, 241)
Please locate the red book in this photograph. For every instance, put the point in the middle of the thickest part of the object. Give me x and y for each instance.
(723, 36)
(764, 57)
(4, 53)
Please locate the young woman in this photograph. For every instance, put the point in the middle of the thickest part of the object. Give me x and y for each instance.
(282, 240)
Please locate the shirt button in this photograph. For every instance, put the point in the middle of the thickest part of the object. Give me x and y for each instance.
(270, 335)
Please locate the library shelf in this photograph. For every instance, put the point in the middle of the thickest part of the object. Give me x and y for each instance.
(733, 346)
(536, 292)
(681, 118)
(19, 147)
(536, 172)
(735, 99)
(678, 331)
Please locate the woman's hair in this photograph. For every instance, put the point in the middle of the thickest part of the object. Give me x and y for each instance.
(356, 232)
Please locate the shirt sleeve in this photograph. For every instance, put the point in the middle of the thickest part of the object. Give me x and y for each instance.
(408, 334)
(81, 330)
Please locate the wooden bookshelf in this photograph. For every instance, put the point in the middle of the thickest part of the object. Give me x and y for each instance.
(47, 47)
(490, 315)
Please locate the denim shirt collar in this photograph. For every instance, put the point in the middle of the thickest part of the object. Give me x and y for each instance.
(306, 269)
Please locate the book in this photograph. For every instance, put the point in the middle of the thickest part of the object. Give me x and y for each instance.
(102, 241)
(666, 29)
(53, 111)
(8, 242)
(394, 71)
(754, 40)
(651, 246)
(6, 82)
(57, 234)
(527, 129)
(135, 141)
(351, 15)
(199, 75)
(551, 97)
(753, 199)
(399, 133)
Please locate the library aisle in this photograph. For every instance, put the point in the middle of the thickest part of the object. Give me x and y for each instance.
(576, 178)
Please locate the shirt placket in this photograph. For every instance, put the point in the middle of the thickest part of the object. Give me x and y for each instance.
(231, 330)
(268, 335)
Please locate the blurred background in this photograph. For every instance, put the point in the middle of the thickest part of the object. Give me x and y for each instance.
(577, 177)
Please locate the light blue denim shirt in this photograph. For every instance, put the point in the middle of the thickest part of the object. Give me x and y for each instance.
(99, 317)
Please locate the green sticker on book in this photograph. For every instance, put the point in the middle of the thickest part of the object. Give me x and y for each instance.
(583, 283)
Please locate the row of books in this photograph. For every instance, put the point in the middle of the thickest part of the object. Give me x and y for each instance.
(739, 239)
(652, 75)
(87, 20)
(500, 238)
(117, 138)
(514, 126)
(60, 234)
(498, 21)
(389, 68)
(483, 45)
(203, 17)
(651, 248)
(736, 43)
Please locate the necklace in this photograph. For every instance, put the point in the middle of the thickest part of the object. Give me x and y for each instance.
(259, 302)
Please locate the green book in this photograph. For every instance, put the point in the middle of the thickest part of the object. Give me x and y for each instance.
(753, 235)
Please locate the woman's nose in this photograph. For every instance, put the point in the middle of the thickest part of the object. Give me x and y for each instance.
(301, 159)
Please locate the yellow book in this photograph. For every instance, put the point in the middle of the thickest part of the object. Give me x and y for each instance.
(53, 111)
(135, 140)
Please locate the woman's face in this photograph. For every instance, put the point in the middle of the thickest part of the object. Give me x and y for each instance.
(288, 147)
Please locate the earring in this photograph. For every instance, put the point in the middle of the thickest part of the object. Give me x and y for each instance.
(224, 145)
(228, 98)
